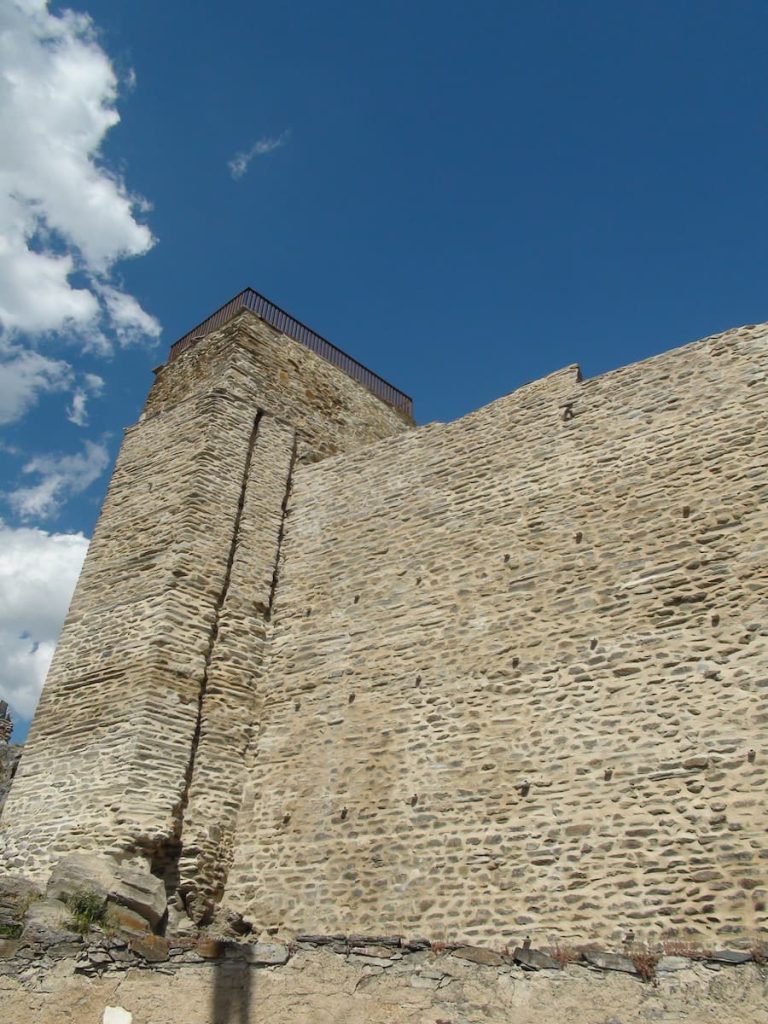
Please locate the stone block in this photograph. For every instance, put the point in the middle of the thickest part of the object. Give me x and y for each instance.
(128, 886)
(609, 961)
(478, 956)
(16, 896)
(534, 960)
(267, 954)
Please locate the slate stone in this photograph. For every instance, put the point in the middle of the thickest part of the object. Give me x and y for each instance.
(609, 961)
(477, 955)
(16, 895)
(729, 956)
(375, 940)
(153, 948)
(534, 960)
(267, 954)
(375, 951)
(126, 920)
(668, 964)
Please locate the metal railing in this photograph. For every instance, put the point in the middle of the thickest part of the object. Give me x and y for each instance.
(282, 321)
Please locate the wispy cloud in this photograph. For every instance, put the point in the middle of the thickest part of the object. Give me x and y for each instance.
(92, 386)
(60, 477)
(24, 375)
(238, 165)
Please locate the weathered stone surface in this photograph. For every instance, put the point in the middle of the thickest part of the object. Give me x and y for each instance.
(153, 948)
(48, 913)
(319, 986)
(128, 886)
(609, 961)
(266, 954)
(534, 960)
(16, 896)
(478, 956)
(125, 920)
(668, 964)
(729, 956)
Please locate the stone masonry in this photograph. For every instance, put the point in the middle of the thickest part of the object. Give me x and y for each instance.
(326, 672)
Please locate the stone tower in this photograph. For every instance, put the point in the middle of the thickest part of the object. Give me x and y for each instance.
(155, 687)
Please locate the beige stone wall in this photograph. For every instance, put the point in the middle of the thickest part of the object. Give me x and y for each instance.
(518, 673)
(123, 723)
(498, 676)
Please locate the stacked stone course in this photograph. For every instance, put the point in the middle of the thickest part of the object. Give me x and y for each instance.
(499, 675)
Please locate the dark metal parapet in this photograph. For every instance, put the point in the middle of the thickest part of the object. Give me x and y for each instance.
(284, 322)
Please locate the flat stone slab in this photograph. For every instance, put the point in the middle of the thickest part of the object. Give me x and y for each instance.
(129, 886)
(674, 963)
(730, 956)
(534, 960)
(267, 954)
(477, 955)
(609, 961)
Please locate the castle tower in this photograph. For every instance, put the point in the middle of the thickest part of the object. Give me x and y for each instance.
(155, 685)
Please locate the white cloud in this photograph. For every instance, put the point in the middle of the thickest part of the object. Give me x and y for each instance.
(61, 477)
(129, 321)
(24, 374)
(61, 210)
(238, 165)
(38, 571)
(92, 386)
(77, 412)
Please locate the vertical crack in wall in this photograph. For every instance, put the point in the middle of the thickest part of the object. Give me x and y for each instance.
(254, 729)
(166, 860)
(281, 531)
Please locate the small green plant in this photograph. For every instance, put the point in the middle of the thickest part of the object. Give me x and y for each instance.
(10, 931)
(87, 909)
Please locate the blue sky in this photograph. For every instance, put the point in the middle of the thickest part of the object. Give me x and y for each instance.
(463, 196)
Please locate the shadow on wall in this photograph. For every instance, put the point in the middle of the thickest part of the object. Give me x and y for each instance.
(231, 1002)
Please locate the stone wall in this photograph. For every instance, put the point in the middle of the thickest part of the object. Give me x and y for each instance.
(518, 673)
(326, 673)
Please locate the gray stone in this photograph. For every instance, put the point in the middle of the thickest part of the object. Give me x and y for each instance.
(609, 961)
(267, 954)
(129, 886)
(374, 940)
(479, 956)
(369, 961)
(534, 960)
(375, 951)
(48, 913)
(729, 956)
(153, 948)
(16, 895)
(673, 963)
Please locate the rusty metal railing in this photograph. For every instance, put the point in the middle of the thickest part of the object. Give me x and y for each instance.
(289, 325)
